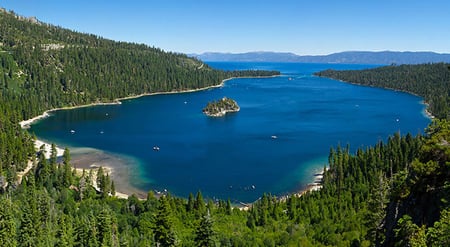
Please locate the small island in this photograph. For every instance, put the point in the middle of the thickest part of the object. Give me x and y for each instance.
(221, 107)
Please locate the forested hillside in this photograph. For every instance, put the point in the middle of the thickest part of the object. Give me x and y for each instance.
(396, 193)
(44, 67)
(430, 81)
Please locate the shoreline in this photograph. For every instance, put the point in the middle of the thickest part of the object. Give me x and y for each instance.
(25, 124)
(118, 168)
(427, 112)
(92, 160)
(111, 170)
(316, 185)
(119, 175)
(107, 170)
(48, 148)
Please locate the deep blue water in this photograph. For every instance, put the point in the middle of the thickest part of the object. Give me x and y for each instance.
(234, 156)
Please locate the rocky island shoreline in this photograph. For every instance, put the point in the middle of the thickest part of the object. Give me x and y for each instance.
(221, 107)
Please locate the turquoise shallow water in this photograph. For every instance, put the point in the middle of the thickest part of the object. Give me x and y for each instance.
(234, 156)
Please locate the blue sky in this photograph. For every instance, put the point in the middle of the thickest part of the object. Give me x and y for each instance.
(304, 27)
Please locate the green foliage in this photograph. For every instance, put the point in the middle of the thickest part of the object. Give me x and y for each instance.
(394, 193)
(357, 206)
(47, 67)
(221, 107)
(8, 214)
(107, 232)
(164, 234)
(431, 81)
(439, 234)
(199, 204)
(376, 213)
(43, 67)
(67, 169)
(204, 234)
(65, 234)
(409, 234)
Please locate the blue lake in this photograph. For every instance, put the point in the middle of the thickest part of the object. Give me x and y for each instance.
(235, 156)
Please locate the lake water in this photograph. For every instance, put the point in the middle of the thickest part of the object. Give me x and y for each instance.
(235, 156)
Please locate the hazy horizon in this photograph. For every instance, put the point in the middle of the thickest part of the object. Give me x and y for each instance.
(288, 52)
(300, 27)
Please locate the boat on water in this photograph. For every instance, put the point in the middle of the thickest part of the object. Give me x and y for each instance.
(72, 131)
(155, 148)
(274, 137)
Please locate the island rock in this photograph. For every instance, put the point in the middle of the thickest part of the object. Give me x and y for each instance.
(221, 107)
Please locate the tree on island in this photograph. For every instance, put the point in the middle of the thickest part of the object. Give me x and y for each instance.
(221, 107)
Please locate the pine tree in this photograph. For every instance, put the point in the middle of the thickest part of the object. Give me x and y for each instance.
(229, 208)
(151, 202)
(29, 225)
(113, 188)
(42, 169)
(28, 233)
(204, 234)
(67, 169)
(53, 155)
(65, 234)
(103, 182)
(105, 186)
(292, 208)
(199, 204)
(105, 232)
(164, 234)
(375, 216)
(190, 203)
(86, 231)
(100, 177)
(8, 232)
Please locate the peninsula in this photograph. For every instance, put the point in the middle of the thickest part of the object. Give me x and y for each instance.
(221, 107)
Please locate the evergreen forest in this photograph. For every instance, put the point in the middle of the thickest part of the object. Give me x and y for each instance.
(395, 193)
(430, 81)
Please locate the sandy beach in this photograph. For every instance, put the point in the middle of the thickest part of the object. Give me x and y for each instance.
(427, 112)
(87, 159)
(93, 159)
(25, 124)
(313, 186)
(119, 170)
(107, 170)
(48, 148)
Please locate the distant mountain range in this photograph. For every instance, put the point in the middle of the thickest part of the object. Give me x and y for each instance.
(349, 57)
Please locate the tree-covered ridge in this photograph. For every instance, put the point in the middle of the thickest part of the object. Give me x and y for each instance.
(396, 193)
(430, 81)
(44, 67)
(47, 67)
(221, 107)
